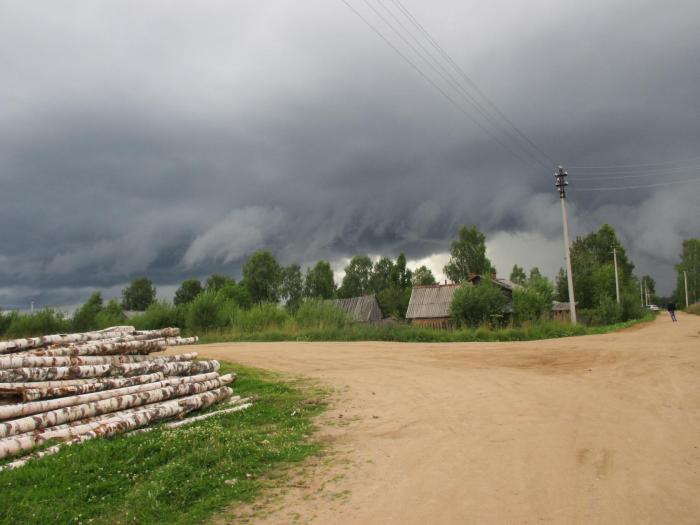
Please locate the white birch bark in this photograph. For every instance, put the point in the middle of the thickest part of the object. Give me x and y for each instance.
(34, 394)
(51, 373)
(114, 404)
(115, 425)
(45, 340)
(8, 362)
(169, 369)
(36, 407)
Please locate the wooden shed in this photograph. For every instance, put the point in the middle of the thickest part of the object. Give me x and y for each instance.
(364, 309)
(430, 305)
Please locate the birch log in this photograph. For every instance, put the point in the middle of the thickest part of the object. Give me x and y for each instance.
(45, 340)
(36, 407)
(51, 373)
(111, 347)
(34, 394)
(7, 362)
(169, 369)
(116, 425)
(113, 404)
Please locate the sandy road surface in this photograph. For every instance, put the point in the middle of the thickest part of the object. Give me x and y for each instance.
(596, 429)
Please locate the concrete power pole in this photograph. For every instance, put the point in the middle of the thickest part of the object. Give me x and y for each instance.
(617, 280)
(641, 291)
(561, 184)
(685, 278)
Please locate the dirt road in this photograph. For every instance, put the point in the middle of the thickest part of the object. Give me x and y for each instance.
(596, 429)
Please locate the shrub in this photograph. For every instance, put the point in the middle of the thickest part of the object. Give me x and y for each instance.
(320, 314)
(237, 293)
(42, 322)
(84, 317)
(261, 316)
(477, 305)
(529, 305)
(607, 312)
(159, 314)
(6, 320)
(110, 315)
(209, 310)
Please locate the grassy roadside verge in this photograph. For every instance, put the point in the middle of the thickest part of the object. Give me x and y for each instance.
(177, 476)
(413, 334)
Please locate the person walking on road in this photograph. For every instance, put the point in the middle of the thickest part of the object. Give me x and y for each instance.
(672, 311)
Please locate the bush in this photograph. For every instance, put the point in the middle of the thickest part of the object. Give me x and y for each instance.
(159, 314)
(607, 312)
(262, 316)
(320, 314)
(42, 322)
(477, 305)
(110, 315)
(529, 304)
(6, 320)
(84, 317)
(209, 310)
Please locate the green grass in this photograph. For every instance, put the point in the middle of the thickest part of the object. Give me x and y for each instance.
(414, 334)
(171, 476)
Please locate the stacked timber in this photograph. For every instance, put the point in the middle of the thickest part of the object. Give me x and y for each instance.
(76, 387)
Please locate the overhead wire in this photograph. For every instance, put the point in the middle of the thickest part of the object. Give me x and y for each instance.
(624, 166)
(632, 174)
(460, 71)
(428, 79)
(641, 186)
(454, 82)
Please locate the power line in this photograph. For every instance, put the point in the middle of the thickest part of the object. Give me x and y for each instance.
(637, 173)
(455, 83)
(621, 166)
(656, 173)
(448, 58)
(431, 81)
(619, 188)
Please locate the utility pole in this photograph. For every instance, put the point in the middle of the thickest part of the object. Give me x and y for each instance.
(617, 280)
(641, 291)
(685, 278)
(561, 184)
(32, 307)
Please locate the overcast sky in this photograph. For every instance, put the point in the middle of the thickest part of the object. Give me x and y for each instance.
(173, 138)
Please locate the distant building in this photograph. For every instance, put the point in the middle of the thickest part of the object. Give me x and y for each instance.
(561, 311)
(430, 305)
(364, 309)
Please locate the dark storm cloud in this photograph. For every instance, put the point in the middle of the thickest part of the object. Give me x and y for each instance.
(169, 139)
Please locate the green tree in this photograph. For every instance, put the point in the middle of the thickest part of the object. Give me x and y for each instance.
(217, 281)
(690, 263)
(262, 275)
(292, 290)
(319, 281)
(237, 293)
(476, 305)
(189, 289)
(533, 301)
(535, 273)
(84, 317)
(468, 255)
(403, 276)
(383, 275)
(356, 281)
(518, 275)
(112, 314)
(394, 301)
(139, 294)
(423, 277)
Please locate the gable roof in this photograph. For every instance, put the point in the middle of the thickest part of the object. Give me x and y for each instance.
(431, 301)
(361, 309)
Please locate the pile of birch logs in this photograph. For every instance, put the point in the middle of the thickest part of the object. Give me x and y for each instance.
(75, 387)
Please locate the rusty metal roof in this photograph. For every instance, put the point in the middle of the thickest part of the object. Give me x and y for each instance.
(430, 302)
(361, 309)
